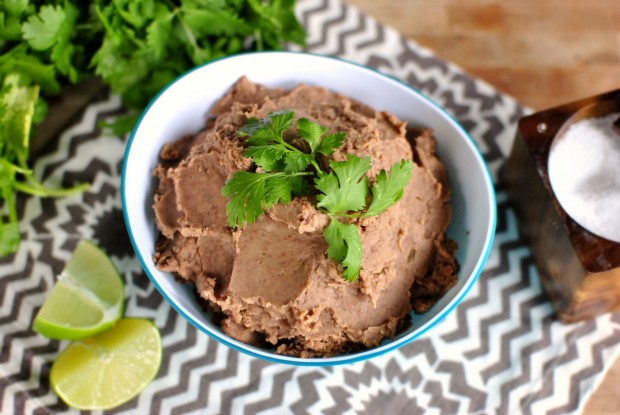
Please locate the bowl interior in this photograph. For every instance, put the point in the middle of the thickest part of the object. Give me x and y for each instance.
(182, 108)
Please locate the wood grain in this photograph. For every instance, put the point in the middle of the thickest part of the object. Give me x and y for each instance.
(544, 53)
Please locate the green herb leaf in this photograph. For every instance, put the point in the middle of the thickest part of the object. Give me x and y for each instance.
(250, 194)
(311, 132)
(330, 143)
(346, 188)
(19, 104)
(297, 161)
(10, 27)
(388, 189)
(345, 247)
(205, 22)
(247, 193)
(157, 34)
(120, 125)
(9, 238)
(269, 129)
(280, 122)
(15, 7)
(268, 157)
(29, 69)
(43, 30)
(281, 187)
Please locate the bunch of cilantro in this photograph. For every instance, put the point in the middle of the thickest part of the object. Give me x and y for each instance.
(284, 171)
(135, 46)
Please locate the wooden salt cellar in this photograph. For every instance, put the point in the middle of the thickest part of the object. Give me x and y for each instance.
(579, 271)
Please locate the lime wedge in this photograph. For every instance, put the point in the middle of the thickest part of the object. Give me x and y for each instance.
(87, 299)
(110, 368)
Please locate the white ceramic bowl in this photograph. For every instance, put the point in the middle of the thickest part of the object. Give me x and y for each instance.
(181, 109)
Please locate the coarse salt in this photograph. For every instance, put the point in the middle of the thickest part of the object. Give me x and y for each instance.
(584, 170)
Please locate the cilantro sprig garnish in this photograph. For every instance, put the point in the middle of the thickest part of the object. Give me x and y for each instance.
(285, 171)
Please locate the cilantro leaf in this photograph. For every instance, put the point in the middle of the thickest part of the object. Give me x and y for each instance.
(297, 161)
(246, 192)
(268, 157)
(276, 21)
(250, 194)
(9, 238)
(345, 247)
(388, 189)
(346, 188)
(311, 132)
(10, 27)
(19, 104)
(15, 7)
(42, 30)
(281, 187)
(269, 129)
(211, 21)
(62, 55)
(121, 124)
(253, 125)
(331, 142)
(30, 69)
(158, 33)
(280, 122)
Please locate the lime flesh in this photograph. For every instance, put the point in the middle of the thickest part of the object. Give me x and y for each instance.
(87, 299)
(110, 368)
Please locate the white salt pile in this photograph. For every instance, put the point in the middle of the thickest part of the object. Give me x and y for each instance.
(584, 170)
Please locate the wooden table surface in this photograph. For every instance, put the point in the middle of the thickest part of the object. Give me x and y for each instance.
(542, 52)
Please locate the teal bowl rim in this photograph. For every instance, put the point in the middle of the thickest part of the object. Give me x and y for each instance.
(342, 359)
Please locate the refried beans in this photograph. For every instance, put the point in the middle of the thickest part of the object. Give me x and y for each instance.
(270, 283)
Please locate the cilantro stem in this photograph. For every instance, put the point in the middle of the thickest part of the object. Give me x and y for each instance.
(287, 145)
(15, 167)
(36, 189)
(316, 165)
(188, 32)
(107, 26)
(9, 198)
(301, 173)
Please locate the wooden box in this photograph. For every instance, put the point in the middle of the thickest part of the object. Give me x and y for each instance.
(579, 271)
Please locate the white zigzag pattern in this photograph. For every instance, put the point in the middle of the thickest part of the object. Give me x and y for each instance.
(196, 374)
(564, 372)
(391, 42)
(335, 31)
(534, 334)
(21, 258)
(315, 25)
(85, 125)
(265, 389)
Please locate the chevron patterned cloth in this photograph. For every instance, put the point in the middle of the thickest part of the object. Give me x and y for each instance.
(501, 350)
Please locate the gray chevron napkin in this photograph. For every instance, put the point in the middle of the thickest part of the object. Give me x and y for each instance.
(500, 351)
